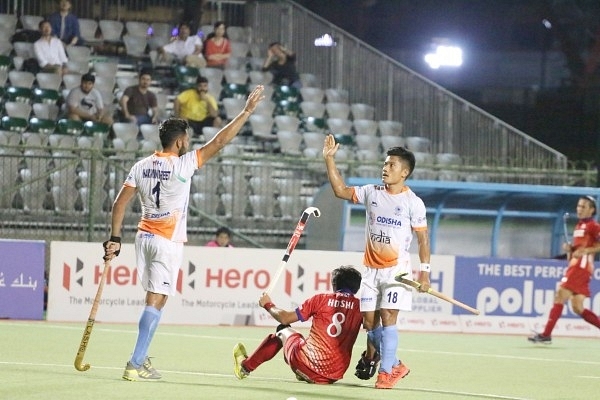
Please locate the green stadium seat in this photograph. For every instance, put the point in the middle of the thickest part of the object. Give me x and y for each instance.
(234, 90)
(286, 107)
(186, 76)
(312, 124)
(288, 93)
(15, 93)
(347, 140)
(45, 126)
(5, 62)
(69, 127)
(49, 96)
(91, 128)
(14, 124)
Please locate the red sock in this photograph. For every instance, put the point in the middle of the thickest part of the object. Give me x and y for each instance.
(555, 314)
(269, 347)
(591, 318)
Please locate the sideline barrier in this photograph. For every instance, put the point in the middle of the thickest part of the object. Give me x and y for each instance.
(22, 279)
(221, 287)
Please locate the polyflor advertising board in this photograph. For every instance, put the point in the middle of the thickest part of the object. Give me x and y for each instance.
(22, 279)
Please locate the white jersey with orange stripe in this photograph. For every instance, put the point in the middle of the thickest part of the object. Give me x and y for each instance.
(163, 183)
(391, 219)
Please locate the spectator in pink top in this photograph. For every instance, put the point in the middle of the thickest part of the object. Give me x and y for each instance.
(222, 238)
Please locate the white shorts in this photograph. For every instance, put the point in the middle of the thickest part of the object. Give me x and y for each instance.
(158, 262)
(376, 293)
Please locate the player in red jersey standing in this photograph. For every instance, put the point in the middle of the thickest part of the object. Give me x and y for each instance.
(575, 285)
(325, 355)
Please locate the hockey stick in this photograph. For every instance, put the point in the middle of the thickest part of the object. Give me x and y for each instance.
(292, 244)
(565, 229)
(79, 365)
(401, 278)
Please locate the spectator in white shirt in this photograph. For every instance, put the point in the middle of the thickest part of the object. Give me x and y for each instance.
(186, 49)
(49, 51)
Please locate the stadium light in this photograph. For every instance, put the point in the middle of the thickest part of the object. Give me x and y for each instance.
(444, 56)
(325, 41)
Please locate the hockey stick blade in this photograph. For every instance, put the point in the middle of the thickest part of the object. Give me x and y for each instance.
(401, 278)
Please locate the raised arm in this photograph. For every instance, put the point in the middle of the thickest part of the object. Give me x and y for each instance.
(335, 178)
(229, 131)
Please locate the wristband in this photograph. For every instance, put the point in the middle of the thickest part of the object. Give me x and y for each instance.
(268, 306)
(115, 239)
(425, 267)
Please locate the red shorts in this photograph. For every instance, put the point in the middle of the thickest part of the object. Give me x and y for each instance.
(299, 363)
(577, 281)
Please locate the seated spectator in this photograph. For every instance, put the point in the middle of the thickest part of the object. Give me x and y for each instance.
(84, 103)
(65, 25)
(222, 238)
(217, 48)
(281, 62)
(49, 51)
(198, 107)
(138, 103)
(186, 49)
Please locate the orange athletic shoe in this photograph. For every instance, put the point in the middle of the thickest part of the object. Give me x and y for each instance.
(388, 380)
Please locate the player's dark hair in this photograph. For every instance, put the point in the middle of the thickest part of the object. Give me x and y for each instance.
(346, 277)
(170, 129)
(405, 155)
(592, 202)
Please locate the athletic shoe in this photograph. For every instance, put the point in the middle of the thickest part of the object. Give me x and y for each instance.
(239, 355)
(148, 365)
(539, 338)
(133, 374)
(388, 381)
(366, 368)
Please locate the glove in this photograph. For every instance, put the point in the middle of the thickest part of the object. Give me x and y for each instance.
(112, 248)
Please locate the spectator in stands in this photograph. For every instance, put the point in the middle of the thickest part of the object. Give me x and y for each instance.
(49, 51)
(138, 103)
(186, 49)
(222, 238)
(84, 103)
(281, 62)
(217, 48)
(65, 25)
(198, 107)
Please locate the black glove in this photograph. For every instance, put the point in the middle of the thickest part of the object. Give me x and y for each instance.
(113, 239)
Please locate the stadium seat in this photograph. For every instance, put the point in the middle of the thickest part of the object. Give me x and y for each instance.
(337, 110)
(106, 68)
(339, 126)
(313, 124)
(392, 141)
(23, 79)
(126, 131)
(418, 144)
(78, 67)
(234, 90)
(289, 142)
(265, 107)
(314, 140)
(236, 76)
(287, 123)
(24, 50)
(5, 63)
(15, 93)
(390, 128)
(48, 80)
(88, 29)
(17, 109)
(135, 46)
(309, 80)
(111, 31)
(362, 111)
(365, 127)
(66, 126)
(260, 78)
(79, 53)
(43, 126)
(288, 93)
(337, 95)
(312, 109)
(186, 76)
(14, 124)
(286, 107)
(312, 94)
(137, 28)
(9, 21)
(71, 81)
(233, 106)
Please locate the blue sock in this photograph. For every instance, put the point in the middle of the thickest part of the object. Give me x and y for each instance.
(374, 337)
(146, 328)
(389, 343)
